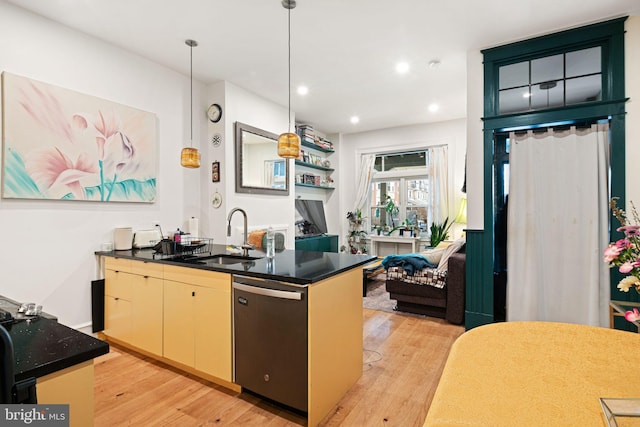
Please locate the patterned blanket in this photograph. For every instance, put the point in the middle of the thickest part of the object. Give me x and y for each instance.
(426, 276)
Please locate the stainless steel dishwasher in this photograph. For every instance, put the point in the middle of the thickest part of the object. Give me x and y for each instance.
(270, 339)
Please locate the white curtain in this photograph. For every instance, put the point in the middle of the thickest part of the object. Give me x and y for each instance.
(439, 175)
(367, 162)
(557, 227)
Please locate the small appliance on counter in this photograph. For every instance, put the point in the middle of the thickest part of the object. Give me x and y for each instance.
(122, 239)
(146, 238)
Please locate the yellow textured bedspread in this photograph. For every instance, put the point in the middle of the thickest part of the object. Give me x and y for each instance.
(535, 374)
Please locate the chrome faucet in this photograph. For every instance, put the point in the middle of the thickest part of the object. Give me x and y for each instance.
(245, 246)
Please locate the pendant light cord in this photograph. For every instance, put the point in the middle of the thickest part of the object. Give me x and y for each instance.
(289, 44)
(191, 99)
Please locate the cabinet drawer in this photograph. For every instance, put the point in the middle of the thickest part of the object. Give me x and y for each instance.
(151, 269)
(117, 284)
(194, 276)
(118, 264)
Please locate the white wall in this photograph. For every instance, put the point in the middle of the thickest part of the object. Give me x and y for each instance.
(632, 121)
(46, 255)
(243, 106)
(475, 106)
(452, 133)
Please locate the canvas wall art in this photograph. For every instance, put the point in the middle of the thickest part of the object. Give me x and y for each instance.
(59, 144)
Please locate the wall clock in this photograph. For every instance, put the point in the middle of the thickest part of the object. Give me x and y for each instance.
(214, 112)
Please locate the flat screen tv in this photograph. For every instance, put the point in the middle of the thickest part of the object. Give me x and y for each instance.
(310, 219)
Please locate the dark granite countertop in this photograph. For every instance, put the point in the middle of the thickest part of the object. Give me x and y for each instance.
(300, 267)
(43, 346)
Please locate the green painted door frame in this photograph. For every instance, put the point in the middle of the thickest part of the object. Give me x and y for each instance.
(480, 243)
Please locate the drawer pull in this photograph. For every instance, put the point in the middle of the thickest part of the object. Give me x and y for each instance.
(146, 277)
(193, 293)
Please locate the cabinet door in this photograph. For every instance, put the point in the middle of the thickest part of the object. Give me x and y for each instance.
(117, 305)
(213, 331)
(117, 284)
(117, 318)
(146, 313)
(179, 322)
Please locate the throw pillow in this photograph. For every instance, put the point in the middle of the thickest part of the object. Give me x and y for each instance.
(450, 250)
(433, 255)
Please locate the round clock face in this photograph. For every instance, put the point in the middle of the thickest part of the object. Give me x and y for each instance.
(214, 112)
(216, 140)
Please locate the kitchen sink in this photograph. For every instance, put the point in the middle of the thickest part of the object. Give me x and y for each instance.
(219, 259)
(229, 259)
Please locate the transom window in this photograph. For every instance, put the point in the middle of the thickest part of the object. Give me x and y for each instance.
(551, 81)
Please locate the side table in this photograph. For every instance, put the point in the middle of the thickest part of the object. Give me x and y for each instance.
(619, 308)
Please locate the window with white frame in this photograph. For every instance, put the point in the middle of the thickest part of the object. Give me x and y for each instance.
(399, 191)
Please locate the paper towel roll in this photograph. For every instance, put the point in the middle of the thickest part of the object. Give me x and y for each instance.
(193, 226)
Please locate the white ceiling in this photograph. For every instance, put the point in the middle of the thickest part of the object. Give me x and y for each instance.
(345, 51)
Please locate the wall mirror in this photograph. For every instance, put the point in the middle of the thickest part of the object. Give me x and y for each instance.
(259, 170)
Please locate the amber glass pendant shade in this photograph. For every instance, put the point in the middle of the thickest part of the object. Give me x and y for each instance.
(190, 157)
(289, 145)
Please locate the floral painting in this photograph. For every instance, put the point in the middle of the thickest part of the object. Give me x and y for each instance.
(64, 145)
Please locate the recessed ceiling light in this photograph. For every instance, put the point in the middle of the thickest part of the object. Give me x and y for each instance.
(402, 67)
(526, 95)
(303, 90)
(355, 119)
(434, 107)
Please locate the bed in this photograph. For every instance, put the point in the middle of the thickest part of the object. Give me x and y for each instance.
(535, 374)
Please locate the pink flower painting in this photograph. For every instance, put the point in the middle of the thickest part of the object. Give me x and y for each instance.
(63, 145)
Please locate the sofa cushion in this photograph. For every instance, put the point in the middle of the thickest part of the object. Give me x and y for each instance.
(433, 255)
(450, 250)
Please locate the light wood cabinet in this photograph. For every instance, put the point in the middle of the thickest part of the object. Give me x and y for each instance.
(197, 320)
(134, 302)
(146, 313)
(117, 303)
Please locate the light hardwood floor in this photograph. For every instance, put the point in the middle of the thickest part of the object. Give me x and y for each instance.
(402, 363)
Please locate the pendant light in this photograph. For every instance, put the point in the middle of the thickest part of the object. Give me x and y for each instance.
(289, 143)
(190, 157)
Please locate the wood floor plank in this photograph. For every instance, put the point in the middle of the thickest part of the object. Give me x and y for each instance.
(403, 359)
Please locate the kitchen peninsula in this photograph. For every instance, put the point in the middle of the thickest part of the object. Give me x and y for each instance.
(179, 310)
(58, 357)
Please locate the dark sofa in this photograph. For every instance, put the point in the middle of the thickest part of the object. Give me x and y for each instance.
(446, 303)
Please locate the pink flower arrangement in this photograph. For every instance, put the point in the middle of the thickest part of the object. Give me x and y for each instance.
(625, 253)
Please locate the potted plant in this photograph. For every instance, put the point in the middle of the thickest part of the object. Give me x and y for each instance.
(408, 225)
(391, 209)
(439, 232)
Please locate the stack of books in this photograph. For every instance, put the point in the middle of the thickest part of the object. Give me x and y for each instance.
(307, 134)
(324, 143)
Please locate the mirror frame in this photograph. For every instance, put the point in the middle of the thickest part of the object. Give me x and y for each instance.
(240, 187)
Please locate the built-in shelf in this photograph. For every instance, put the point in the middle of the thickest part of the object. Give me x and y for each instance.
(311, 165)
(300, 184)
(316, 147)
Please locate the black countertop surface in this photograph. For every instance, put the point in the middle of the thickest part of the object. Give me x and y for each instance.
(43, 346)
(300, 267)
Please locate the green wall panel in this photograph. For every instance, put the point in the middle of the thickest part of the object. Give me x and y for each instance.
(479, 282)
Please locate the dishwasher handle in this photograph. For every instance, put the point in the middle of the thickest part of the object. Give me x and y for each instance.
(268, 292)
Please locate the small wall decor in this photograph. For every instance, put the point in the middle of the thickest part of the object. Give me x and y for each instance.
(216, 200)
(215, 171)
(63, 145)
(216, 140)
